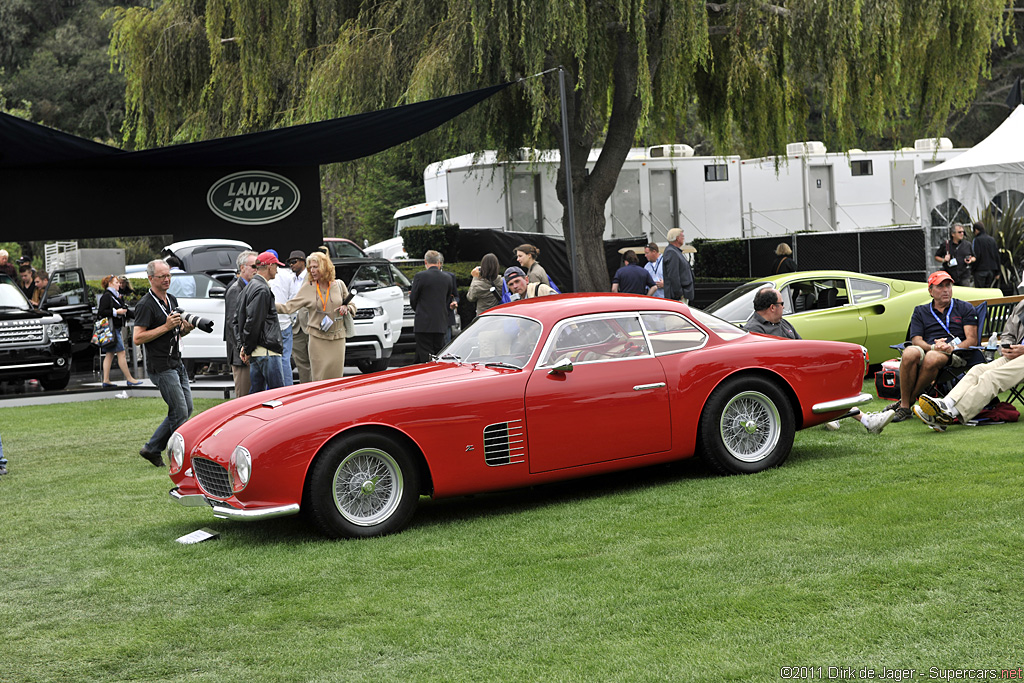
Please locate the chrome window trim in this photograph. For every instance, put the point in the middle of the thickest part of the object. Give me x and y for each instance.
(696, 325)
(550, 341)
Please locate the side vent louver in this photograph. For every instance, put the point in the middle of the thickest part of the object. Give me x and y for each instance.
(503, 443)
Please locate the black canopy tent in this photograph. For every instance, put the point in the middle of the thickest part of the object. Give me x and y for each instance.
(58, 186)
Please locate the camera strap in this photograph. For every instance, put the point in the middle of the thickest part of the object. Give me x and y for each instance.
(167, 312)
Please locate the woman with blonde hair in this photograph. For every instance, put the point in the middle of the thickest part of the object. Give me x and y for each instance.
(329, 314)
(527, 255)
(783, 264)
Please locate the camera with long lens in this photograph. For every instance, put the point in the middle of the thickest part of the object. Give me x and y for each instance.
(204, 324)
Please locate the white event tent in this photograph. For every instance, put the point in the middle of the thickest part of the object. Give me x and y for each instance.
(991, 172)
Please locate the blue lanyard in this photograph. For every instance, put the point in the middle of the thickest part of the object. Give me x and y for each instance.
(939, 320)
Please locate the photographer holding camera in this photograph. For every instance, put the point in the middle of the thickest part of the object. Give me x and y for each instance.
(159, 328)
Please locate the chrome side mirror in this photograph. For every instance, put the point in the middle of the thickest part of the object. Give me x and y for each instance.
(562, 366)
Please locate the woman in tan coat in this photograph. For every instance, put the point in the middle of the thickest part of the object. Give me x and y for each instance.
(324, 297)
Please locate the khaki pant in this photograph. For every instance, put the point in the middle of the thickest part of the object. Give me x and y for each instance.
(326, 358)
(240, 373)
(984, 382)
(300, 353)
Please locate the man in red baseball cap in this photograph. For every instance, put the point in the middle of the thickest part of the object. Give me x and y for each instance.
(937, 329)
(257, 329)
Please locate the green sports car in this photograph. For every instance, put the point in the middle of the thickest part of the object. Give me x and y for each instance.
(843, 306)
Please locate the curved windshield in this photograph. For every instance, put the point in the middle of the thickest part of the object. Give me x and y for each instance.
(738, 305)
(11, 297)
(499, 339)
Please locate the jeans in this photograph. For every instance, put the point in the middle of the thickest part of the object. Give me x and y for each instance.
(286, 357)
(174, 390)
(265, 373)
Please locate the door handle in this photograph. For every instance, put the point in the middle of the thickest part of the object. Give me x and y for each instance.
(645, 387)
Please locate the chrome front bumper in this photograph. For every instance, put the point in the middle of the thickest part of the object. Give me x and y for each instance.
(841, 404)
(222, 511)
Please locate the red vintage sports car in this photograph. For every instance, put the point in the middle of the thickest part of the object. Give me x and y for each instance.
(532, 392)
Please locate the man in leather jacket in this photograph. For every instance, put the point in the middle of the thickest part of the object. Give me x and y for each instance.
(246, 263)
(257, 328)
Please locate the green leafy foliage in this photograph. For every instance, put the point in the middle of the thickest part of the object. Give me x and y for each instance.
(443, 238)
(721, 258)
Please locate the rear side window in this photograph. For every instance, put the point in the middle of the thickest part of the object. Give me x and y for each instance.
(671, 332)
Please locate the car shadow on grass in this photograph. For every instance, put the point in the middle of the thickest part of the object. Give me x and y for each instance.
(296, 530)
(515, 501)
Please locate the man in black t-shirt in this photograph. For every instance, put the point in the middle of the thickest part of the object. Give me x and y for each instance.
(160, 329)
(986, 257)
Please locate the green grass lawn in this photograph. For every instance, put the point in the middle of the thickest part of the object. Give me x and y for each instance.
(899, 551)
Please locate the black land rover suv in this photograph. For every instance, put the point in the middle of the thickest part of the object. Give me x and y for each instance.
(34, 344)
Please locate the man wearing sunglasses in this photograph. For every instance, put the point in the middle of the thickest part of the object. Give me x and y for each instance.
(767, 318)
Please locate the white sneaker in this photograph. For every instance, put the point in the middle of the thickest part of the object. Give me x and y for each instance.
(832, 426)
(876, 422)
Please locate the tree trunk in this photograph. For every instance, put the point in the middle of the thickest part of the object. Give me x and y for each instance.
(591, 191)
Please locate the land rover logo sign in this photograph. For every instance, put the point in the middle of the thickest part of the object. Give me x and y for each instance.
(253, 197)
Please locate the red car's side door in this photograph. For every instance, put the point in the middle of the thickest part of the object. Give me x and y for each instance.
(613, 404)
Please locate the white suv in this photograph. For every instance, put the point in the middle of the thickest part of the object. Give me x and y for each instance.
(199, 294)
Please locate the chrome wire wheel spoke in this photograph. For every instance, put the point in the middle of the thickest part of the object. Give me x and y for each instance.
(750, 426)
(368, 486)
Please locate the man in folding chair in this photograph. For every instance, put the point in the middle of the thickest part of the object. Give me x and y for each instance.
(936, 330)
(982, 383)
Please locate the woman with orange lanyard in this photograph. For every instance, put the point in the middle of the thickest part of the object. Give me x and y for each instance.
(324, 297)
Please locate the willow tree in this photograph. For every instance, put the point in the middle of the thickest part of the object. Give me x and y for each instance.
(755, 70)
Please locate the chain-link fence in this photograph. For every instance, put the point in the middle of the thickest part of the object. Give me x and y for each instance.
(898, 253)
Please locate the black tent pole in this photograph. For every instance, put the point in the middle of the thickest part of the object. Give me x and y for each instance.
(567, 163)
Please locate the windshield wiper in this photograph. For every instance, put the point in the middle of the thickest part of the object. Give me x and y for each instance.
(450, 356)
(499, 364)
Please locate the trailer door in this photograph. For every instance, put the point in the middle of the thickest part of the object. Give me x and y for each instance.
(819, 195)
(902, 191)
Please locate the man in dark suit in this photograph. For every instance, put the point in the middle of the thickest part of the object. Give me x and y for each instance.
(677, 271)
(432, 296)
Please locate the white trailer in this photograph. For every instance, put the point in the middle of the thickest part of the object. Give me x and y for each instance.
(820, 191)
(665, 187)
(659, 188)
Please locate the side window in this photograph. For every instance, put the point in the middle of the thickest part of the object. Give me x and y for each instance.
(817, 295)
(868, 292)
(670, 332)
(787, 298)
(371, 277)
(590, 340)
(183, 286)
(70, 289)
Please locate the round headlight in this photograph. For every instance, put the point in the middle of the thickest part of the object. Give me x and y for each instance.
(57, 331)
(241, 468)
(176, 447)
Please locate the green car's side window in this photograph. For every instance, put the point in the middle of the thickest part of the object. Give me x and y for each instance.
(868, 292)
(814, 295)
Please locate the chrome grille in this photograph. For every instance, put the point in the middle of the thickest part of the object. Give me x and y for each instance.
(21, 332)
(364, 314)
(212, 477)
(407, 311)
(503, 443)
